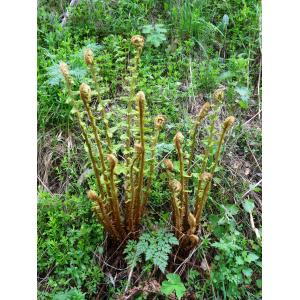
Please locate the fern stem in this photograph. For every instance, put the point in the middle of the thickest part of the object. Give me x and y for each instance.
(226, 125)
(103, 114)
(151, 171)
(98, 143)
(202, 113)
(141, 106)
(177, 140)
(115, 203)
(131, 204)
(200, 202)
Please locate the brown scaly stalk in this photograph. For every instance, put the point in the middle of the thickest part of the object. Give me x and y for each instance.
(201, 115)
(188, 221)
(218, 97)
(201, 197)
(178, 139)
(68, 80)
(176, 188)
(98, 209)
(159, 122)
(226, 125)
(138, 42)
(131, 205)
(115, 203)
(85, 95)
(206, 178)
(89, 60)
(140, 97)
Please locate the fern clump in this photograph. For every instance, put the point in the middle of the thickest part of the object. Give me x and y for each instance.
(124, 174)
(187, 219)
(121, 219)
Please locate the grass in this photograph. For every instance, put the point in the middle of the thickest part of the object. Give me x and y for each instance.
(202, 50)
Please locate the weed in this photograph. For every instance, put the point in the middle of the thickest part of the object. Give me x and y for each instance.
(67, 239)
(173, 284)
(156, 34)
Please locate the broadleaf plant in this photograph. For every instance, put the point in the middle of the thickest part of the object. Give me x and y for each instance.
(173, 284)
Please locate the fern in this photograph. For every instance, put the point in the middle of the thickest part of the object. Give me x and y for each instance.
(156, 247)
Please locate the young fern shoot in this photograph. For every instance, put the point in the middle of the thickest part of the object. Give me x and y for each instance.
(186, 220)
(119, 222)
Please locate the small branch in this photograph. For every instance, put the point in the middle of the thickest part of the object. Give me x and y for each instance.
(252, 188)
(44, 185)
(253, 227)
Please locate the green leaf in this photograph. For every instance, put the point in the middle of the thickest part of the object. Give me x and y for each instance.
(251, 257)
(173, 284)
(232, 209)
(247, 272)
(74, 110)
(259, 283)
(248, 205)
(244, 96)
(239, 260)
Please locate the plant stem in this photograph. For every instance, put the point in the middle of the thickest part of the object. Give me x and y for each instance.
(141, 105)
(151, 171)
(99, 146)
(182, 179)
(115, 203)
(131, 204)
(133, 81)
(103, 114)
(200, 203)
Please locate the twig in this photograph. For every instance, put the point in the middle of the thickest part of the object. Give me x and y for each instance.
(251, 189)
(187, 259)
(253, 155)
(253, 226)
(44, 185)
(248, 121)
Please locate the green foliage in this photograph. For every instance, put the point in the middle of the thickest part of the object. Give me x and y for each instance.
(156, 246)
(156, 34)
(234, 265)
(68, 236)
(173, 284)
(248, 205)
(69, 295)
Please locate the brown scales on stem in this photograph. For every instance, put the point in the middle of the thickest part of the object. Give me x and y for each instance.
(187, 223)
